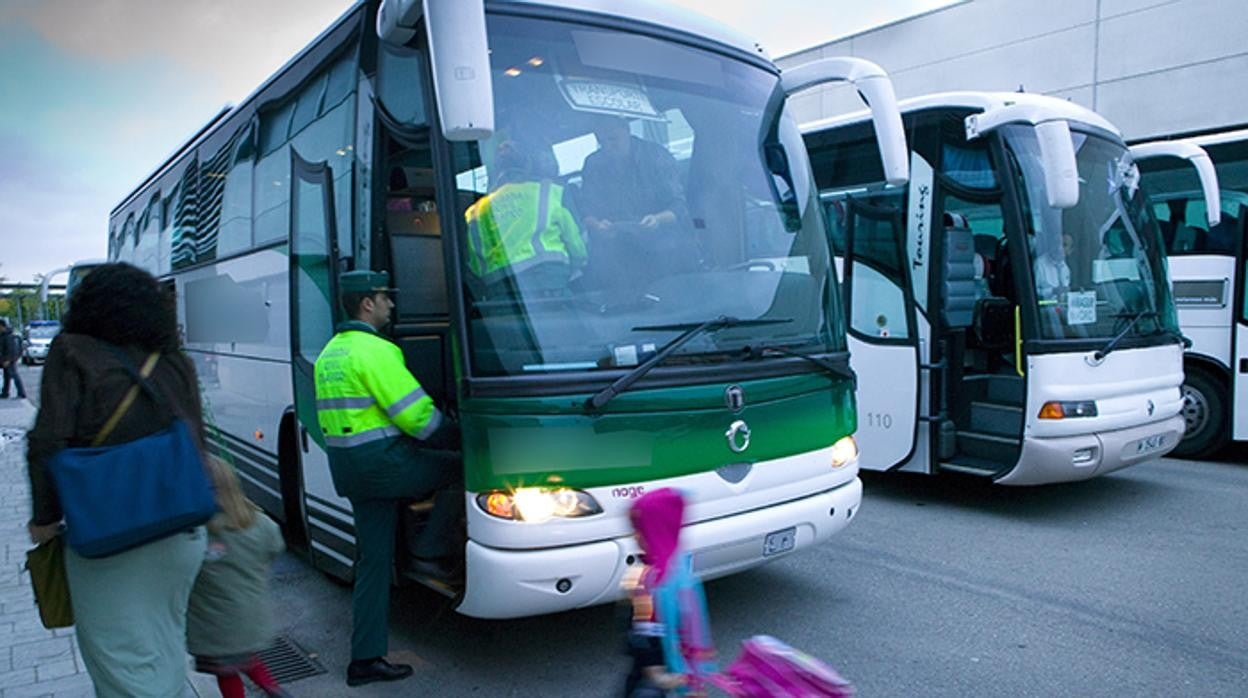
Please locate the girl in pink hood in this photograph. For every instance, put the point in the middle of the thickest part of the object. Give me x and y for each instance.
(669, 638)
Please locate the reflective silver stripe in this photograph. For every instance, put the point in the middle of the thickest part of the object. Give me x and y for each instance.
(407, 401)
(350, 440)
(345, 403)
(434, 422)
(500, 274)
(543, 206)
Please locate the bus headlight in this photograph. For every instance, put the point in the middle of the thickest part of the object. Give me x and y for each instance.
(844, 451)
(538, 504)
(1066, 410)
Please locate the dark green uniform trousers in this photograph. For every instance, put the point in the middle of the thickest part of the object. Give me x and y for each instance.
(377, 481)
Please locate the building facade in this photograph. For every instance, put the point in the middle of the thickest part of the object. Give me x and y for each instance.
(1154, 68)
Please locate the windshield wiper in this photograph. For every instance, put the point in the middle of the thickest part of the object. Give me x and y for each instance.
(837, 367)
(1113, 343)
(690, 331)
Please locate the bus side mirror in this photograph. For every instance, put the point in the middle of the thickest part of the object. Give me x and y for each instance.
(458, 54)
(1199, 159)
(876, 89)
(1061, 172)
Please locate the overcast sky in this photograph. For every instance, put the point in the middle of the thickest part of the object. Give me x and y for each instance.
(95, 93)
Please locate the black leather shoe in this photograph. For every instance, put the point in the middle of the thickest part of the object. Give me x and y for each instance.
(443, 569)
(363, 671)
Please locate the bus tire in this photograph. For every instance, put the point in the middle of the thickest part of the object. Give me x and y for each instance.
(1204, 415)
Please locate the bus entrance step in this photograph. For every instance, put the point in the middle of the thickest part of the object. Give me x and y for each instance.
(970, 466)
(988, 447)
(997, 419)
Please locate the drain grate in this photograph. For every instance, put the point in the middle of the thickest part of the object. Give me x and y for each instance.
(288, 661)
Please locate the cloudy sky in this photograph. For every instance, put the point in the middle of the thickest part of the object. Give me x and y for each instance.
(95, 93)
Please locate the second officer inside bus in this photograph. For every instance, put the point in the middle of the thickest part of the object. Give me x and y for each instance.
(382, 432)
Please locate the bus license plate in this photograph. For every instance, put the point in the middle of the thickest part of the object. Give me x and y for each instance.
(1150, 444)
(778, 542)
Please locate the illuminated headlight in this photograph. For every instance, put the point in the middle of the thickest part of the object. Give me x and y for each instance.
(844, 451)
(538, 504)
(1067, 410)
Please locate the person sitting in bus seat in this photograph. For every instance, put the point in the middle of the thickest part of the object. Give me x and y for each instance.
(634, 207)
(1050, 268)
(382, 432)
(521, 233)
(629, 180)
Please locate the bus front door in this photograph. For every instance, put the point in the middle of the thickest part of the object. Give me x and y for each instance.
(883, 342)
(309, 501)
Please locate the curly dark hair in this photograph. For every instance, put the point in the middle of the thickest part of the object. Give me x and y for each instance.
(123, 305)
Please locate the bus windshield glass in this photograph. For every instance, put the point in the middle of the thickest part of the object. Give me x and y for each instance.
(634, 187)
(1098, 267)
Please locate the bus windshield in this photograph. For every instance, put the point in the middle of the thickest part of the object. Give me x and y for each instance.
(1098, 267)
(634, 187)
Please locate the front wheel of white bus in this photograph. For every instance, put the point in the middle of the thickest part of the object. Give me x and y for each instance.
(1204, 415)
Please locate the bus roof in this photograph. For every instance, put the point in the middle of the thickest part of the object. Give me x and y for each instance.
(658, 14)
(983, 101)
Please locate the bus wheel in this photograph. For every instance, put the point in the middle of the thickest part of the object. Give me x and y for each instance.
(1204, 415)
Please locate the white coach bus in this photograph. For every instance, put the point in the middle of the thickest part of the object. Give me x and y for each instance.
(1203, 211)
(718, 365)
(1009, 310)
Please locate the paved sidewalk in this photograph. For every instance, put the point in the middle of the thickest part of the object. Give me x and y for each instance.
(34, 661)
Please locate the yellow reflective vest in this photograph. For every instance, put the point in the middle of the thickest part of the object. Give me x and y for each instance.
(364, 392)
(519, 226)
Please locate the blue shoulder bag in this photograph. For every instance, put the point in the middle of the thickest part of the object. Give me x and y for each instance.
(119, 497)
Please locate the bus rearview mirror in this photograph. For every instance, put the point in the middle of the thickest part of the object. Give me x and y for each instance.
(1057, 155)
(458, 56)
(876, 89)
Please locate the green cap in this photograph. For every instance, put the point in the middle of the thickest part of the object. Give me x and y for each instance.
(364, 282)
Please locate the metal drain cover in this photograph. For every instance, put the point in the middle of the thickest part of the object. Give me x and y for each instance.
(288, 661)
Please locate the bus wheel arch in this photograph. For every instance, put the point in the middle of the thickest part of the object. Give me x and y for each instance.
(290, 481)
(1205, 402)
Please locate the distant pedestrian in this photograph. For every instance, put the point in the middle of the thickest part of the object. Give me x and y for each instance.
(129, 607)
(669, 638)
(10, 355)
(230, 618)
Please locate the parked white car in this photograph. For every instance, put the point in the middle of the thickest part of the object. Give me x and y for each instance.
(39, 336)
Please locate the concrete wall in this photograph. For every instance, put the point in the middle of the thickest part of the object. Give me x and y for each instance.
(1153, 67)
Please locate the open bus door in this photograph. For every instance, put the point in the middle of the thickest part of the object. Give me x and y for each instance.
(1239, 415)
(313, 303)
(883, 340)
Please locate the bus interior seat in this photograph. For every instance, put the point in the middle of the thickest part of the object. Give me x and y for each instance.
(957, 284)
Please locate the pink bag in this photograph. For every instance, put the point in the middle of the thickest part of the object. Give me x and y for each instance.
(768, 668)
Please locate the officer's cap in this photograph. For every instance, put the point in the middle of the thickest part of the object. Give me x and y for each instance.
(364, 282)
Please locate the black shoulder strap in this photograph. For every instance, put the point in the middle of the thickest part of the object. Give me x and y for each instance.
(145, 383)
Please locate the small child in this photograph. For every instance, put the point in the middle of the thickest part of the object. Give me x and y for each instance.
(229, 619)
(669, 638)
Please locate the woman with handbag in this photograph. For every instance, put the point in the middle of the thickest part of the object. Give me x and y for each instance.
(130, 593)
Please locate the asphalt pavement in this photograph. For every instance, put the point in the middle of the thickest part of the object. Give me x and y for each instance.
(1127, 585)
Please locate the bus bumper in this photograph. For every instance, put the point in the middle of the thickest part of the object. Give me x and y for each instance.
(1069, 458)
(518, 583)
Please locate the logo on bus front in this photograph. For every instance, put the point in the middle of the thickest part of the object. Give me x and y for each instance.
(734, 397)
(738, 436)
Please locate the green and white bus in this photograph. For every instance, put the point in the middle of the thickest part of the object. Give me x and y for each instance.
(1009, 311)
(704, 352)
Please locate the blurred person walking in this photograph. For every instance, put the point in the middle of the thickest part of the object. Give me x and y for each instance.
(230, 618)
(10, 355)
(129, 607)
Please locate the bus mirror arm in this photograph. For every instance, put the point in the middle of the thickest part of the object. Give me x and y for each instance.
(458, 56)
(1057, 150)
(876, 89)
(1199, 159)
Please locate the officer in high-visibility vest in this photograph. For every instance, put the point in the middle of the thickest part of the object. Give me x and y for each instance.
(381, 430)
(521, 233)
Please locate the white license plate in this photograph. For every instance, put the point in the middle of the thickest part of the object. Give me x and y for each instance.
(781, 541)
(1150, 444)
